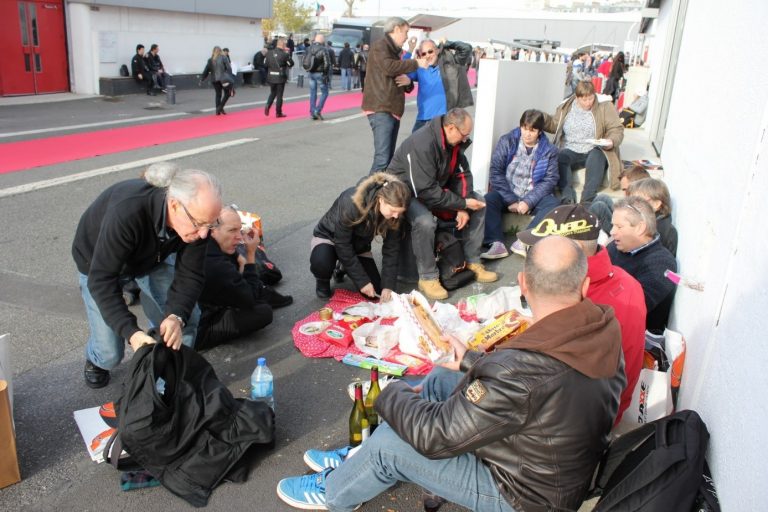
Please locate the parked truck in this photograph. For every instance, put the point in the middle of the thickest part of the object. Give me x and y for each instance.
(354, 31)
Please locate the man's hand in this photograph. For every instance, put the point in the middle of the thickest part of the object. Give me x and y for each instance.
(523, 208)
(513, 207)
(475, 204)
(402, 81)
(251, 241)
(368, 290)
(170, 329)
(459, 350)
(141, 77)
(462, 217)
(139, 339)
(386, 295)
(423, 62)
(241, 262)
(609, 145)
(412, 44)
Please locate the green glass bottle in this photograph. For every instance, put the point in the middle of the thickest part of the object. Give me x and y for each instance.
(356, 418)
(370, 399)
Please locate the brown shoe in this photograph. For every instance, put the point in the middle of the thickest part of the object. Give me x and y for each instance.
(482, 275)
(432, 289)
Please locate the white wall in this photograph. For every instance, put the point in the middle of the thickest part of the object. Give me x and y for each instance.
(185, 40)
(715, 157)
(506, 89)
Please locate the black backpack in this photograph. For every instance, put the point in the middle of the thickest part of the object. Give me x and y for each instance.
(657, 467)
(451, 263)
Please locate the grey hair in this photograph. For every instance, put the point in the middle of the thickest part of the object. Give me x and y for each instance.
(161, 173)
(638, 210)
(457, 116)
(392, 23)
(421, 45)
(588, 246)
(563, 278)
(185, 185)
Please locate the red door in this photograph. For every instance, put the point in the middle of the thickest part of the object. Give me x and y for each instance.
(34, 59)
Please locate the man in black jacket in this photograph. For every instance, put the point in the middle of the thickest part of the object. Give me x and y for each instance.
(518, 429)
(278, 63)
(234, 301)
(260, 66)
(346, 63)
(139, 69)
(138, 230)
(158, 74)
(319, 73)
(433, 163)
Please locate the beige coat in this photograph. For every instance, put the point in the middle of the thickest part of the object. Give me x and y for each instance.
(607, 126)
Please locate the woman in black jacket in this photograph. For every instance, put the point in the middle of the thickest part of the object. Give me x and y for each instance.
(374, 208)
(219, 68)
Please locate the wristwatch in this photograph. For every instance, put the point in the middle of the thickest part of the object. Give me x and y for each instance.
(181, 320)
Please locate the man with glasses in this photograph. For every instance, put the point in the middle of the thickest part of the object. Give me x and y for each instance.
(138, 229)
(443, 84)
(433, 163)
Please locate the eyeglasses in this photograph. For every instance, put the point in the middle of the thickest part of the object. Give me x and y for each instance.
(428, 52)
(199, 225)
(463, 135)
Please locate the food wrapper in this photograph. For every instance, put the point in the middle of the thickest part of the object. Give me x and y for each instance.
(507, 325)
(420, 334)
(250, 221)
(376, 339)
(337, 334)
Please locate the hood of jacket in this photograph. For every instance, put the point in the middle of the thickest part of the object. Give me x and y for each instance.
(586, 337)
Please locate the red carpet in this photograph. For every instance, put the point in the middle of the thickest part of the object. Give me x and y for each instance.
(17, 156)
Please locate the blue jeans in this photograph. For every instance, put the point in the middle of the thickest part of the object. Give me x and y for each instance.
(602, 208)
(496, 207)
(314, 106)
(385, 127)
(418, 124)
(346, 78)
(385, 459)
(105, 348)
(596, 164)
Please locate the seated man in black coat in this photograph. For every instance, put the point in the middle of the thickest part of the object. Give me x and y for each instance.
(234, 301)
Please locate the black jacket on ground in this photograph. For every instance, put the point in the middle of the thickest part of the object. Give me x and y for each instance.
(539, 424)
(225, 287)
(278, 61)
(350, 241)
(192, 435)
(124, 233)
(437, 173)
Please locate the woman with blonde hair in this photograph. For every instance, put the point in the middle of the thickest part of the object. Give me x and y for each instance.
(219, 68)
(374, 208)
(657, 194)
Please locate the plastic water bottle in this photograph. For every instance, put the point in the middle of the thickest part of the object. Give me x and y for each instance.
(261, 384)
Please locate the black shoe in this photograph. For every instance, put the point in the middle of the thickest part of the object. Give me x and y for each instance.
(320, 116)
(314, 117)
(95, 377)
(223, 112)
(266, 111)
(432, 502)
(281, 115)
(323, 288)
(277, 300)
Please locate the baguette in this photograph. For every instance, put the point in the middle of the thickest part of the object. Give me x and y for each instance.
(434, 335)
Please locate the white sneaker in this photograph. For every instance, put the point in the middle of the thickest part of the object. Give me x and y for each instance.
(495, 252)
(519, 248)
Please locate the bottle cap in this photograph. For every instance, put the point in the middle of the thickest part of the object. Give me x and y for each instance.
(262, 361)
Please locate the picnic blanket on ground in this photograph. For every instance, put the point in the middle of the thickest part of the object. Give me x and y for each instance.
(313, 346)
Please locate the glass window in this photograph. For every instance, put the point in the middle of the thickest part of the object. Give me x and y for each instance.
(27, 63)
(33, 19)
(38, 63)
(23, 21)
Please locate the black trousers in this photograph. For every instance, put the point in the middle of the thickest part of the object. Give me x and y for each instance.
(221, 95)
(276, 95)
(230, 323)
(323, 259)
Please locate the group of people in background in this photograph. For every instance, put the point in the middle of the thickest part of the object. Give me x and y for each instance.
(148, 69)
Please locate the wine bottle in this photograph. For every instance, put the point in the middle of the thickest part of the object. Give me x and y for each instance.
(356, 418)
(370, 399)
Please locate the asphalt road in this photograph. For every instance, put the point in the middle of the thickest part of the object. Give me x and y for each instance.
(290, 175)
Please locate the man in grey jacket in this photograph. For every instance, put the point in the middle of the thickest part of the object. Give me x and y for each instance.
(519, 428)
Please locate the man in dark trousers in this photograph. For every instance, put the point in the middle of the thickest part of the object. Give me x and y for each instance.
(260, 65)
(136, 229)
(156, 68)
(234, 301)
(140, 71)
(520, 428)
(384, 94)
(433, 163)
(278, 63)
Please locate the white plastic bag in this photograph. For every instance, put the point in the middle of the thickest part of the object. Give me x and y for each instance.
(376, 339)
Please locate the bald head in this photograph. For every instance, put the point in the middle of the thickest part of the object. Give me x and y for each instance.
(555, 269)
(319, 38)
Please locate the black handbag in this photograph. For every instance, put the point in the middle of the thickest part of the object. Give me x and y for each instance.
(450, 261)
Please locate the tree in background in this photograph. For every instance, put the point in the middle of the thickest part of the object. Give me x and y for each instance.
(290, 16)
(350, 4)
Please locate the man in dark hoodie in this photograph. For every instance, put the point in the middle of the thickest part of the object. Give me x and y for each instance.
(519, 428)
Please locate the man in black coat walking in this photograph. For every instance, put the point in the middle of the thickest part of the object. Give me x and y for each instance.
(278, 62)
